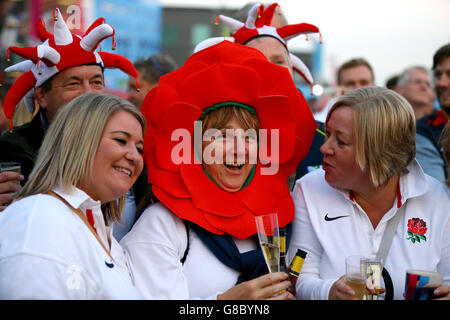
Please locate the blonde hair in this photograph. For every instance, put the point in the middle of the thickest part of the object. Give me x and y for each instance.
(70, 146)
(445, 142)
(384, 131)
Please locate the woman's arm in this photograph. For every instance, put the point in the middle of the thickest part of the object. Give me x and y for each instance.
(28, 276)
(155, 246)
(309, 286)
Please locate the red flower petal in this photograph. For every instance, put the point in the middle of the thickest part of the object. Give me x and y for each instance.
(232, 77)
(258, 197)
(170, 182)
(414, 230)
(422, 231)
(184, 209)
(167, 92)
(181, 129)
(274, 114)
(244, 226)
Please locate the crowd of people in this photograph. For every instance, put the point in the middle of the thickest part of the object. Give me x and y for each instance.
(154, 196)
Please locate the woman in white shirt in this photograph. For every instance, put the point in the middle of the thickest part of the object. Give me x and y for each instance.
(369, 179)
(56, 240)
(200, 240)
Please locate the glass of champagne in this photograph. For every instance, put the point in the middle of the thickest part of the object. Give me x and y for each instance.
(356, 274)
(269, 240)
(374, 267)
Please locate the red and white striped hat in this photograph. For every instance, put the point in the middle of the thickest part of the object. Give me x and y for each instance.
(58, 52)
(258, 25)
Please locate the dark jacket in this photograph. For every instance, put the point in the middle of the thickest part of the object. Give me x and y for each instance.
(22, 144)
(431, 127)
(314, 157)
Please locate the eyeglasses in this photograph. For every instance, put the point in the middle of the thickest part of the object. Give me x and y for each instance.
(419, 82)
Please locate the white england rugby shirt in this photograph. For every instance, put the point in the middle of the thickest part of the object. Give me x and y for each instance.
(329, 225)
(47, 252)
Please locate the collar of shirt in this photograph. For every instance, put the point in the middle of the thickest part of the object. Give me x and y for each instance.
(411, 185)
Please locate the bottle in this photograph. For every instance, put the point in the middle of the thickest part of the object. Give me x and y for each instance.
(283, 267)
(294, 269)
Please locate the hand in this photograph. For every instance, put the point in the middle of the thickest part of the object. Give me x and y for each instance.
(443, 292)
(340, 290)
(268, 286)
(8, 185)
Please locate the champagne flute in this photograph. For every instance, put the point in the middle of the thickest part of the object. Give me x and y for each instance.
(269, 240)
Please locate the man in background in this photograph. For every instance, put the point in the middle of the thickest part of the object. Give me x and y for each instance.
(415, 85)
(429, 128)
(150, 70)
(353, 74)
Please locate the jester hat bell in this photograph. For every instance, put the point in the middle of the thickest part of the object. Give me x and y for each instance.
(258, 24)
(59, 51)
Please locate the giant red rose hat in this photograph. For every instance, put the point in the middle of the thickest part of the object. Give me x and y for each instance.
(59, 51)
(226, 73)
(259, 24)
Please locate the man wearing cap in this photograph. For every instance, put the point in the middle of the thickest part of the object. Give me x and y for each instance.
(63, 67)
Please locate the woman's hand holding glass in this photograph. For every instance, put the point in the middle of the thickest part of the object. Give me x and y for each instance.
(268, 286)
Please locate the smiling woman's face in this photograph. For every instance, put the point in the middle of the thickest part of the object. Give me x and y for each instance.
(231, 151)
(118, 161)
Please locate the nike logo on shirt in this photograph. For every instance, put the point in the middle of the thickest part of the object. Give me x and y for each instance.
(334, 218)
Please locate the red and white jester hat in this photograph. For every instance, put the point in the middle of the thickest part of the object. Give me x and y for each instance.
(257, 25)
(58, 52)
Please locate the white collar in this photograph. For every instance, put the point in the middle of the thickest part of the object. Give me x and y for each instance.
(412, 184)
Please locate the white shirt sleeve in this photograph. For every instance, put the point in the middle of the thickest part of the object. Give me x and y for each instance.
(155, 246)
(22, 278)
(309, 286)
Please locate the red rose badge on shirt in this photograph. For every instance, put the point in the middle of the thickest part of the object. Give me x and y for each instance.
(416, 230)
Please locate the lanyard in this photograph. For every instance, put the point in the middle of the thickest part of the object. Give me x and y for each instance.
(389, 233)
(80, 214)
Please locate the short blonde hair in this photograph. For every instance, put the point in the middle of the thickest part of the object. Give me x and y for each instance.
(70, 146)
(384, 131)
(445, 142)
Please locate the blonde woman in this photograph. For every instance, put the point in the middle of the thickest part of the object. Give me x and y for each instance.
(369, 178)
(56, 240)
